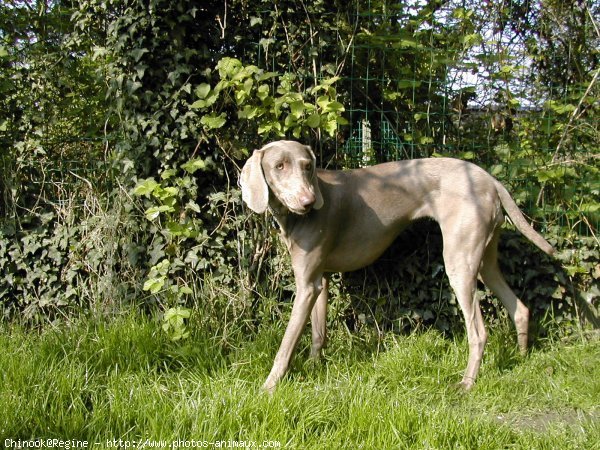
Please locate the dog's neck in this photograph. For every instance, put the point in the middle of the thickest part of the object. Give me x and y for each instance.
(280, 213)
(286, 220)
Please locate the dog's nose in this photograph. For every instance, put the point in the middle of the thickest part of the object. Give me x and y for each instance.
(307, 199)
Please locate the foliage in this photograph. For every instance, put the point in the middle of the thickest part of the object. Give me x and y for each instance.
(58, 245)
(59, 260)
(174, 323)
(125, 125)
(265, 104)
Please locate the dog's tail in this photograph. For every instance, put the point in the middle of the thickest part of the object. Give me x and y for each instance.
(520, 222)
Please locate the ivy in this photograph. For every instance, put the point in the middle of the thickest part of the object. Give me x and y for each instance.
(266, 101)
(164, 100)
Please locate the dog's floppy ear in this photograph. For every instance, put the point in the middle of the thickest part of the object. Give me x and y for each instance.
(315, 181)
(255, 191)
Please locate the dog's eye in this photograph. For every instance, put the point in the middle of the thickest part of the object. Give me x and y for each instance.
(280, 166)
(308, 168)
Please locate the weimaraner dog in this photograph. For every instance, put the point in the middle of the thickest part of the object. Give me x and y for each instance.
(339, 221)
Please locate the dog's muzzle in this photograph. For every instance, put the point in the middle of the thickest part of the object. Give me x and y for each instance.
(304, 203)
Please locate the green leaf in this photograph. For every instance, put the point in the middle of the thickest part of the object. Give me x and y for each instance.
(331, 126)
(314, 120)
(462, 13)
(507, 69)
(335, 107)
(497, 169)
(573, 270)
(213, 121)
(325, 85)
(155, 211)
(407, 43)
(265, 42)
(264, 128)
(589, 207)
(161, 268)
(210, 100)
(178, 312)
(199, 104)
(323, 101)
(174, 321)
(154, 285)
(168, 173)
(341, 120)
(330, 81)
(555, 174)
(193, 206)
(241, 96)
(145, 187)
(165, 193)
(138, 53)
(290, 121)
(471, 39)
(228, 67)
(266, 76)
(248, 84)
(193, 165)
(186, 290)
(297, 108)
(561, 108)
(202, 90)
(407, 84)
(466, 155)
(246, 72)
(180, 334)
(249, 112)
(263, 92)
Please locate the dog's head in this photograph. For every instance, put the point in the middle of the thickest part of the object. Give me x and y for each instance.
(283, 173)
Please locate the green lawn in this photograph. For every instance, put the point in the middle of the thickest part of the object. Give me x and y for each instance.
(100, 381)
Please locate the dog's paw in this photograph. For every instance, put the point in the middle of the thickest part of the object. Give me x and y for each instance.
(464, 386)
(269, 386)
(315, 355)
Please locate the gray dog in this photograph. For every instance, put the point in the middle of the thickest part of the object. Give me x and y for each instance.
(339, 221)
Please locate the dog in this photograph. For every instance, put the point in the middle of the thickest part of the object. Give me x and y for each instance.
(339, 221)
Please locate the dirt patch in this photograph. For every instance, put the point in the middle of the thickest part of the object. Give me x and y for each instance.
(543, 421)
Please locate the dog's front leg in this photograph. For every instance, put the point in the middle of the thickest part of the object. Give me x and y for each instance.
(306, 295)
(318, 321)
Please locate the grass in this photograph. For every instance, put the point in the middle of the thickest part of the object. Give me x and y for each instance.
(101, 381)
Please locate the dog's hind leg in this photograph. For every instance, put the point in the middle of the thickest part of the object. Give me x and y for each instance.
(463, 251)
(494, 280)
